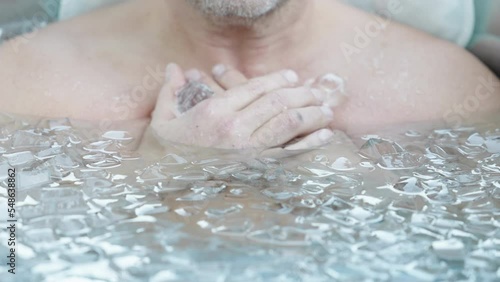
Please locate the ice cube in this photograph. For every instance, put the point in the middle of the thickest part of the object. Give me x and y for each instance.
(493, 144)
(375, 148)
(29, 179)
(280, 194)
(148, 209)
(193, 175)
(342, 164)
(409, 186)
(232, 227)
(72, 226)
(107, 163)
(451, 249)
(172, 159)
(48, 153)
(29, 139)
(4, 170)
(117, 135)
(20, 158)
(405, 160)
(223, 210)
(224, 169)
(209, 188)
(475, 140)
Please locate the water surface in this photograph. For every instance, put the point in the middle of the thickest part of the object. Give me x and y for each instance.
(407, 205)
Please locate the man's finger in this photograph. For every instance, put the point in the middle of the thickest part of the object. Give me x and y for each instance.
(291, 124)
(313, 140)
(241, 96)
(195, 75)
(276, 102)
(228, 77)
(165, 104)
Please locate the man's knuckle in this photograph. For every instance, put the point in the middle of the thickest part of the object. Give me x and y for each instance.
(311, 97)
(279, 99)
(292, 120)
(256, 85)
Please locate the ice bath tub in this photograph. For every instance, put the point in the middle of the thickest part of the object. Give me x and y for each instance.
(400, 206)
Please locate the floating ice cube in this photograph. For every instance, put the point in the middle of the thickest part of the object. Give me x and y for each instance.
(342, 164)
(148, 209)
(48, 153)
(400, 161)
(280, 236)
(28, 139)
(98, 146)
(72, 226)
(117, 135)
(172, 159)
(341, 272)
(151, 173)
(54, 124)
(375, 148)
(4, 170)
(128, 156)
(280, 194)
(192, 197)
(413, 133)
(475, 140)
(385, 236)
(209, 188)
(248, 175)
(170, 186)
(409, 186)
(20, 158)
(64, 161)
(312, 189)
(232, 227)
(33, 178)
(305, 201)
(81, 254)
(317, 169)
(360, 213)
(451, 249)
(223, 211)
(224, 169)
(94, 157)
(442, 152)
(493, 144)
(107, 163)
(194, 175)
(187, 211)
(322, 159)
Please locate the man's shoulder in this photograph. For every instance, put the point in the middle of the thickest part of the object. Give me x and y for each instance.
(397, 48)
(46, 64)
(413, 67)
(369, 34)
(442, 65)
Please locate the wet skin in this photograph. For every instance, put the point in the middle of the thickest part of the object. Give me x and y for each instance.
(109, 65)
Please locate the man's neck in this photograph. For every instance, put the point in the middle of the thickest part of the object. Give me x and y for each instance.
(277, 41)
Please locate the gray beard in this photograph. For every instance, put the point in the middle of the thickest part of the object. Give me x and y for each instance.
(237, 12)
